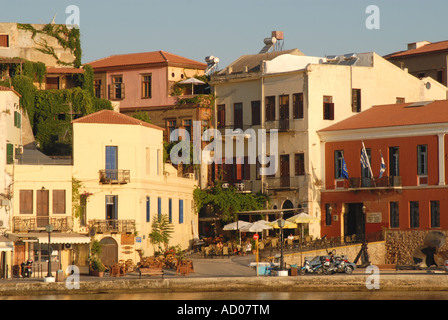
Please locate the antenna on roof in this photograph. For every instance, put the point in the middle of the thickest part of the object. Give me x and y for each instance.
(212, 64)
(275, 42)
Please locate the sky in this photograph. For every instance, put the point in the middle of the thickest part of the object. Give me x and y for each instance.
(228, 29)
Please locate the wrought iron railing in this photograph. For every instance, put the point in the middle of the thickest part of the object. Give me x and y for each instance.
(286, 182)
(113, 226)
(114, 176)
(376, 182)
(20, 224)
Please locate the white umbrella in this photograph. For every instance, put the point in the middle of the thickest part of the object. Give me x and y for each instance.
(257, 226)
(192, 81)
(237, 225)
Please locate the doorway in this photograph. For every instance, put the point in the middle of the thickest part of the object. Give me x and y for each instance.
(109, 251)
(354, 220)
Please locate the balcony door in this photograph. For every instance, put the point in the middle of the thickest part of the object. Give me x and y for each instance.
(284, 171)
(284, 113)
(112, 163)
(42, 205)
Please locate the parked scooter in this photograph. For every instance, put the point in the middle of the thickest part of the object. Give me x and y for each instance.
(27, 268)
(311, 266)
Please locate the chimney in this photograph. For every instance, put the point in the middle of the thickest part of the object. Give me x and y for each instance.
(416, 45)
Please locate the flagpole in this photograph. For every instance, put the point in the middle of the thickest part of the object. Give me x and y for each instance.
(364, 154)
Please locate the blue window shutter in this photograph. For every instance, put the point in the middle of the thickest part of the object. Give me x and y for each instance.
(111, 162)
(116, 207)
(181, 211)
(148, 211)
(159, 207)
(170, 209)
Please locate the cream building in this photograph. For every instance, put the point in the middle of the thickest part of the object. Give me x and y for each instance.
(119, 163)
(299, 95)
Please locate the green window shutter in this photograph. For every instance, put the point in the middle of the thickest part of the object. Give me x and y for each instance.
(9, 153)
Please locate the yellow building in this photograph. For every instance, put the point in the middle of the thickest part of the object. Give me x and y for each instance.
(299, 95)
(125, 186)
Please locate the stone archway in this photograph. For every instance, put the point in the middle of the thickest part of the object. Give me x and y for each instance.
(109, 251)
(287, 205)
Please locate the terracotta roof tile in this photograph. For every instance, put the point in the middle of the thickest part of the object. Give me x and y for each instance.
(2, 88)
(431, 47)
(154, 57)
(112, 117)
(395, 115)
(64, 70)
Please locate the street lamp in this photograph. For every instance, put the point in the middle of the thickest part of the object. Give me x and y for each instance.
(281, 224)
(49, 229)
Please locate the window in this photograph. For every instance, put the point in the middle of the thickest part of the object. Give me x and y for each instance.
(9, 153)
(146, 86)
(297, 106)
(97, 88)
(181, 211)
(221, 116)
(172, 126)
(299, 159)
(356, 100)
(4, 40)
(116, 90)
(111, 162)
(270, 108)
(148, 209)
(422, 160)
(159, 208)
(187, 127)
(393, 215)
(400, 100)
(170, 210)
(42, 207)
(256, 120)
(365, 172)
(327, 215)
(414, 214)
(17, 119)
(394, 168)
(26, 202)
(52, 83)
(435, 214)
(338, 156)
(59, 201)
(238, 116)
(111, 207)
(328, 108)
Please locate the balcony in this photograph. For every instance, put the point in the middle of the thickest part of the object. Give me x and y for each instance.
(112, 226)
(385, 182)
(244, 186)
(114, 176)
(20, 224)
(282, 125)
(282, 183)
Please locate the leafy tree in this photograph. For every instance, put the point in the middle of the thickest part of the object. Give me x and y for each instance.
(161, 232)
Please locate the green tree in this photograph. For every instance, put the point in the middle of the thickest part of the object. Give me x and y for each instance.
(161, 233)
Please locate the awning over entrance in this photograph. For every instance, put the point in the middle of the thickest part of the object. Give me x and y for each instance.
(56, 238)
(6, 244)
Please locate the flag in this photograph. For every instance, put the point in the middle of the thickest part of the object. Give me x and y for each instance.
(382, 166)
(365, 159)
(344, 172)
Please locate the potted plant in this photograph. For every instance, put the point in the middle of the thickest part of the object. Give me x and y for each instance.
(97, 268)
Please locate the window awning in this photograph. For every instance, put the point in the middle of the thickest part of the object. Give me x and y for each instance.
(56, 238)
(6, 244)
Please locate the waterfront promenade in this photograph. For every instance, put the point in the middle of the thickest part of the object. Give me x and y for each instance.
(232, 275)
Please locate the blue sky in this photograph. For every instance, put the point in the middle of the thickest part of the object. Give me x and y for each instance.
(230, 28)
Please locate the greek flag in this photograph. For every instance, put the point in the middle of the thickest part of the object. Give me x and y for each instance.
(382, 166)
(344, 173)
(365, 159)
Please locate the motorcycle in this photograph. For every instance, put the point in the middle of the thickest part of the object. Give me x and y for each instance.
(27, 268)
(311, 266)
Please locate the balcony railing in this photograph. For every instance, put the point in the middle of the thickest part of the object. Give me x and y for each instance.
(20, 224)
(281, 125)
(113, 176)
(282, 183)
(376, 182)
(113, 226)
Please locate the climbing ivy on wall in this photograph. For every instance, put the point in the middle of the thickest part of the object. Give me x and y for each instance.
(68, 38)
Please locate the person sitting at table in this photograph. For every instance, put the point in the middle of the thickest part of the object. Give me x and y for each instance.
(248, 247)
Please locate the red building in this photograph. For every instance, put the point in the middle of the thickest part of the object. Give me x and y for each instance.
(412, 192)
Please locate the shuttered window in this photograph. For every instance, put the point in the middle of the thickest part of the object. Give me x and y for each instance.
(328, 108)
(59, 201)
(181, 211)
(297, 105)
(299, 163)
(4, 40)
(256, 115)
(26, 201)
(270, 108)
